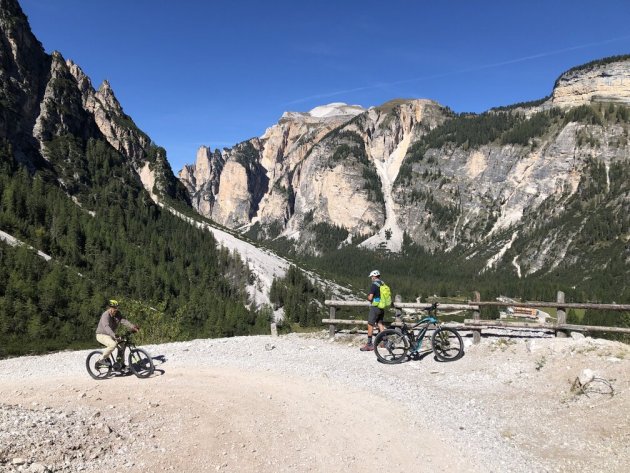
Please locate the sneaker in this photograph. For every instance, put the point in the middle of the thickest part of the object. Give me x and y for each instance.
(367, 347)
(102, 364)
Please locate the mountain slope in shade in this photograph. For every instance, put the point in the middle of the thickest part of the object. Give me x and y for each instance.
(56, 122)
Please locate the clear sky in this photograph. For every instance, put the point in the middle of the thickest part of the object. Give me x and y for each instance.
(217, 72)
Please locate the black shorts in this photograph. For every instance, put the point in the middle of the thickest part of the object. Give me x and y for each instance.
(376, 315)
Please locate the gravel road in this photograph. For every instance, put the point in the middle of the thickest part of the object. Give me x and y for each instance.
(305, 403)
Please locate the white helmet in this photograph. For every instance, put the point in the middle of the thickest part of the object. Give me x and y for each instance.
(376, 272)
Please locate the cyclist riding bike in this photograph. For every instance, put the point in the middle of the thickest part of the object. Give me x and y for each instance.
(106, 330)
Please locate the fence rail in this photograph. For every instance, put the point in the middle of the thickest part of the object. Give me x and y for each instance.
(476, 324)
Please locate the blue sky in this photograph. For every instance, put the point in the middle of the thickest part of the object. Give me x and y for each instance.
(215, 73)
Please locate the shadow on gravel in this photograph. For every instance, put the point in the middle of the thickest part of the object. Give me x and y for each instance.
(423, 354)
(158, 360)
(419, 356)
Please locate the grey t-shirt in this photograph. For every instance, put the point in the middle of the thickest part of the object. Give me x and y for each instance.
(108, 324)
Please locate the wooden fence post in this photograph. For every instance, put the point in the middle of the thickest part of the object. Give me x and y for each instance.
(477, 316)
(397, 311)
(333, 313)
(562, 316)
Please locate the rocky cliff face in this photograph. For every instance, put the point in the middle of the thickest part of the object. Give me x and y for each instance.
(334, 165)
(607, 81)
(253, 182)
(413, 169)
(24, 68)
(347, 180)
(46, 97)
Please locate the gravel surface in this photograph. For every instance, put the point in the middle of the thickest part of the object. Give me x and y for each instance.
(306, 403)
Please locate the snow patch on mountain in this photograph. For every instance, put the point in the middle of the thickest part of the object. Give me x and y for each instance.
(335, 109)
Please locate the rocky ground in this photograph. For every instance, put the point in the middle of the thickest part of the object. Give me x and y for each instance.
(304, 403)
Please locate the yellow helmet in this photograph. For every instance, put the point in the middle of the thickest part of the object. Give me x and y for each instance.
(113, 303)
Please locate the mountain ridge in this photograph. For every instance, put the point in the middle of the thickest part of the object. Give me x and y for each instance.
(484, 187)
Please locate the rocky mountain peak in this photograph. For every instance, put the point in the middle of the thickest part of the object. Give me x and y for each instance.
(106, 94)
(604, 80)
(48, 97)
(335, 164)
(15, 30)
(83, 81)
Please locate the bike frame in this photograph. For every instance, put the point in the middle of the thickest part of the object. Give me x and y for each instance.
(416, 340)
(121, 349)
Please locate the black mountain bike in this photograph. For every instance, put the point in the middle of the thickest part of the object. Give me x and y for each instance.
(139, 362)
(393, 345)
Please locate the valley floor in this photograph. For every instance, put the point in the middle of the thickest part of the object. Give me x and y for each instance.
(303, 403)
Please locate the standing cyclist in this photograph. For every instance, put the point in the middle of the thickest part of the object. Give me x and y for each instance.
(376, 315)
(106, 330)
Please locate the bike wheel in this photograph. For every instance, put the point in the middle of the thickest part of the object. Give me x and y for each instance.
(101, 372)
(447, 344)
(391, 346)
(140, 363)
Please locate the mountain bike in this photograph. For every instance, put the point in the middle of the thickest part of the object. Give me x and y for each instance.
(393, 345)
(139, 362)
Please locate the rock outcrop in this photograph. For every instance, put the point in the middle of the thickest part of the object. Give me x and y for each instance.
(605, 81)
(334, 165)
(253, 182)
(45, 98)
(24, 68)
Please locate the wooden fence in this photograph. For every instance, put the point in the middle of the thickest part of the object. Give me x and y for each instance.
(477, 324)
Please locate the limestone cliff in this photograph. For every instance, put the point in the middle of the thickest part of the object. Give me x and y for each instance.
(604, 80)
(347, 180)
(45, 98)
(253, 182)
(413, 169)
(334, 165)
(23, 76)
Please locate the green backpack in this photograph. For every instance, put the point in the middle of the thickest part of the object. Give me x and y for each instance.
(386, 296)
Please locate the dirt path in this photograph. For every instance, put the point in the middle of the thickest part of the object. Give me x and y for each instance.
(225, 419)
(304, 403)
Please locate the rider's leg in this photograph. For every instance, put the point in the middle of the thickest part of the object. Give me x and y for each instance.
(370, 330)
(372, 319)
(369, 346)
(109, 343)
(381, 326)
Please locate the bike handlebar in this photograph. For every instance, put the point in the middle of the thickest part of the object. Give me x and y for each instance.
(125, 338)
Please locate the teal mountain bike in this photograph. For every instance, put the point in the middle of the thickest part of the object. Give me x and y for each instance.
(394, 345)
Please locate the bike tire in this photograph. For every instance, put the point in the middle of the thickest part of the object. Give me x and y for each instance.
(391, 346)
(102, 372)
(140, 363)
(447, 344)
